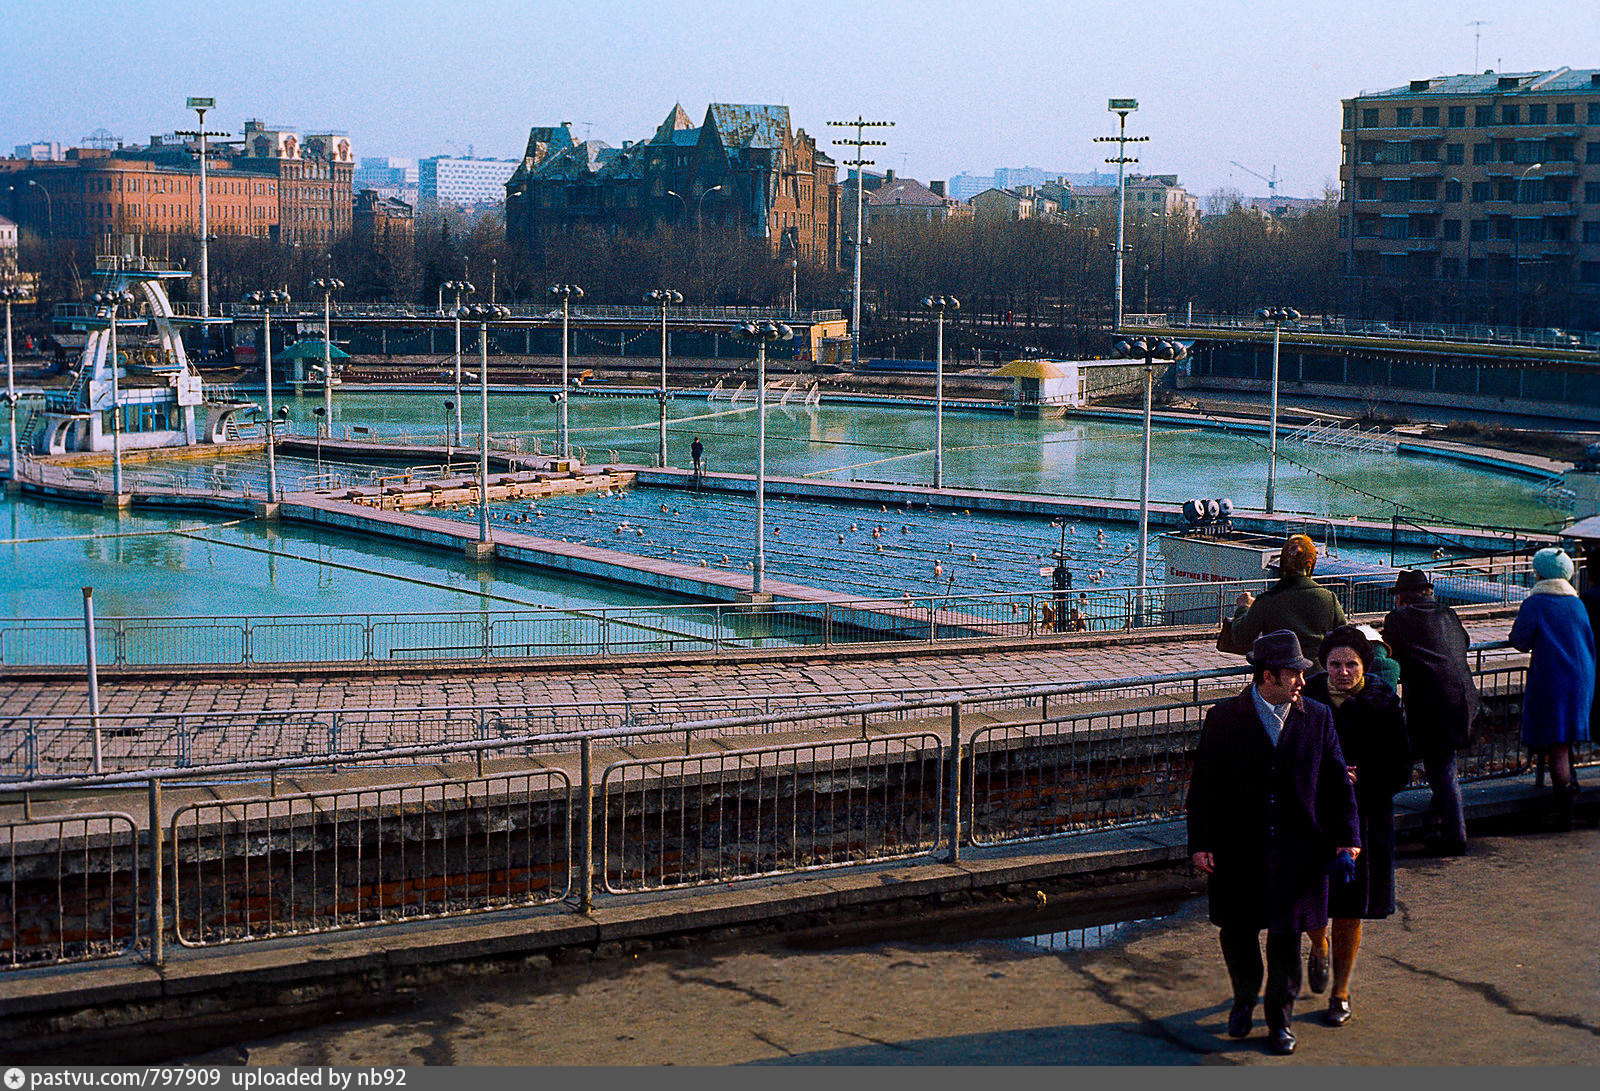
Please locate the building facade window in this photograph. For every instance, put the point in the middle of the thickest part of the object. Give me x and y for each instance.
(1511, 115)
(1483, 116)
(1402, 117)
(1430, 115)
(1538, 114)
(1457, 116)
(1566, 113)
(1451, 230)
(1454, 153)
(1591, 231)
(1452, 191)
(1591, 152)
(1591, 193)
(1369, 118)
(1482, 153)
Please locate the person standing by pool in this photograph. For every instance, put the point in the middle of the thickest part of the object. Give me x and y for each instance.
(1295, 602)
(1553, 626)
(697, 454)
(1372, 737)
(1269, 806)
(1436, 689)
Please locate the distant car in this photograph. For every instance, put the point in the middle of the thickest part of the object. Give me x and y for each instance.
(1560, 337)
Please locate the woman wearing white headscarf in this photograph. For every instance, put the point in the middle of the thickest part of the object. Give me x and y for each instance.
(1553, 626)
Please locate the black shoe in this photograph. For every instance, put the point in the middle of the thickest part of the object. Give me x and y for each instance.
(1282, 1042)
(1241, 1018)
(1316, 972)
(1338, 1013)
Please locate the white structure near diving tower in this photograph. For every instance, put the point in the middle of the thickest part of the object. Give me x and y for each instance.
(156, 393)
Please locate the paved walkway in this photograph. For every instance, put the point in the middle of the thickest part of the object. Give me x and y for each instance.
(435, 686)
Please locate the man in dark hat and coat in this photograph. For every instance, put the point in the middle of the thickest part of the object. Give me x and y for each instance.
(1270, 807)
(1429, 642)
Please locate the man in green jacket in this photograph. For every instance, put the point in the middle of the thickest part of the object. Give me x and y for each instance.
(1296, 602)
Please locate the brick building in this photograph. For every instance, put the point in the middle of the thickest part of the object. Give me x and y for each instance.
(271, 185)
(1475, 198)
(742, 168)
(378, 220)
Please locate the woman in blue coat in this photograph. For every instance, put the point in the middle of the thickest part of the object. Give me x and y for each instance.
(1553, 626)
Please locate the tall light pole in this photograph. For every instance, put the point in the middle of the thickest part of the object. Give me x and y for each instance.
(266, 301)
(858, 143)
(1277, 316)
(567, 294)
(327, 286)
(938, 304)
(9, 294)
(458, 288)
(114, 299)
(762, 333)
(794, 286)
(663, 298)
(1122, 107)
(200, 106)
(484, 313)
(49, 206)
(1516, 251)
(1150, 349)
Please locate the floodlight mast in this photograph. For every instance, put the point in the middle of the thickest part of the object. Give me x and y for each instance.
(200, 106)
(859, 162)
(1122, 107)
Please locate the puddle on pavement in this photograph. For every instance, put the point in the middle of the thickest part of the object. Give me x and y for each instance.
(1090, 938)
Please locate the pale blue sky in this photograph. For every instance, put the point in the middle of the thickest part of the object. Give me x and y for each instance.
(971, 85)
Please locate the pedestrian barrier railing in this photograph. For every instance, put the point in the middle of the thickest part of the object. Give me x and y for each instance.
(226, 868)
(281, 865)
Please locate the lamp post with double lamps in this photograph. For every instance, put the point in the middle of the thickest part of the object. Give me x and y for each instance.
(1277, 316)
(939, 304)
(663, 298)
(483, 314)
(9, 294)
(327, 286)
(1122, 107)
(458, 288)
(266, 301)
(1149, 349)
(114, 299)
(762, 334)
(567, 294)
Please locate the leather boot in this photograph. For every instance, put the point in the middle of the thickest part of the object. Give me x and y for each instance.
(1562, 796)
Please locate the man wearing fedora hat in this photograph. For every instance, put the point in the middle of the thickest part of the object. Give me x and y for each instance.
(1429, 642)
(1270, 808)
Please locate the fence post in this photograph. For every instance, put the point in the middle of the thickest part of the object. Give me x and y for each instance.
(246, 653)
(827, 624)
(93, 668)
(586, 825)
(158, 923)
(485, 624)
(955, 782)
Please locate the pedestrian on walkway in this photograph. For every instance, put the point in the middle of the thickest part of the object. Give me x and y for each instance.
(1372, 737)
(1553, 626)
(1269, 807)
(697, 454)
(1429, 642)
(1295, 602)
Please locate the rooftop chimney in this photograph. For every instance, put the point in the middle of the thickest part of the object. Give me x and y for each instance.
(888, 176)
(937, 188)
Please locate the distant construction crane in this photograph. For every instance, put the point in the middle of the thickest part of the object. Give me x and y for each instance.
(1272, 183)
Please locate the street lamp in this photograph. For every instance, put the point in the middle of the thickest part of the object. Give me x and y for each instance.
(114, 299)
(664, 298)
(484, 313)
(1516, 251)
(9, 294)
(567, 294)
(1122, 107)
(449, 440)
(1277, 316)
(794, 286)
(49, 206)
(1150, 349)
(266, 301)
(327, 286)
(200, 106)
(458, 288)
(938, 304)
(762, 333)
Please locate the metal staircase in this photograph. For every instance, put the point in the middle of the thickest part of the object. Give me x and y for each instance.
(1349, 437)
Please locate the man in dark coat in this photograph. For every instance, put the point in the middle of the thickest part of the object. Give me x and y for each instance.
(1269, 807)
(1429, 642)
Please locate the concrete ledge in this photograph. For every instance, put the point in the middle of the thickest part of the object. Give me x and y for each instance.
(478, 551)
(266, 509)
(117, 501)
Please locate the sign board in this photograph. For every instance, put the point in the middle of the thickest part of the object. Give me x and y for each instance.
(1120, 104)
(202, 104)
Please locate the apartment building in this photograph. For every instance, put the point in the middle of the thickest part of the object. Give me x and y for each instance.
(1475, 198)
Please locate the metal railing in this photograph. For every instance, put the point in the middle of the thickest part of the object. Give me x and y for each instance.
(334, 860)
(1068, 757)
(698, 628)
(1475, 333)
(593, 313)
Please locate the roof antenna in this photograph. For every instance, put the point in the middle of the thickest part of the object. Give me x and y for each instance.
(1477, 26)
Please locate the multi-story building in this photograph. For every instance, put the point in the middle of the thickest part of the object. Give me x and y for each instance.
(742, 167)
(271, 184)
(381, 221)
(908, 198)
(1003, 204)
(388, 177)
(462, 182)
(39, 149)
(1159, 194)
(1475, 198)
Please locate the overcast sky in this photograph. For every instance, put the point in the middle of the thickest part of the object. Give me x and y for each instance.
(970, 85)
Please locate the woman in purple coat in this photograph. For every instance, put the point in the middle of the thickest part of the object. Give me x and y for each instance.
(1553, 626)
